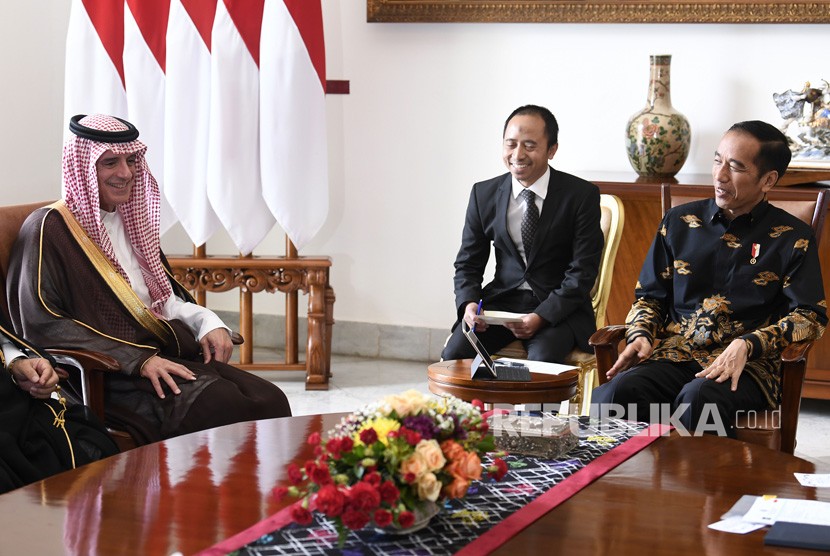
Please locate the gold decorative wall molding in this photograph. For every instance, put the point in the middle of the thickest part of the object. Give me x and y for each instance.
(596, 11)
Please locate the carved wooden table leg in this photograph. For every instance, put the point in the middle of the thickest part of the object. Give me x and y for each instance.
(317, 377)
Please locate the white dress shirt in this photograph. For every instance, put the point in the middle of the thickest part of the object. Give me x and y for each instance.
(199, 319)
(516, 210)
(10, 351)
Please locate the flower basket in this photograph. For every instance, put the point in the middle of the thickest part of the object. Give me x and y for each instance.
(392, 464)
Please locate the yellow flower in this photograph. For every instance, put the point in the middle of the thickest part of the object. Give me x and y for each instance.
(382, 425)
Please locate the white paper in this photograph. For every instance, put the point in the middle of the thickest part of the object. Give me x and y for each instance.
(736, 525)
(500, 317)
(541, 367)
(768, 510)
(813, 479)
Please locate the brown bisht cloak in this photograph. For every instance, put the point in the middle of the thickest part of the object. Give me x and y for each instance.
(63, 291)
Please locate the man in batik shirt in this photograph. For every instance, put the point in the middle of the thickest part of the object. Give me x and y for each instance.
(88, 272)
(727, 284)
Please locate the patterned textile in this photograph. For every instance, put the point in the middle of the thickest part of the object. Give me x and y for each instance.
(141, 214)
(707, 281)
(530, 220)
(461, 520)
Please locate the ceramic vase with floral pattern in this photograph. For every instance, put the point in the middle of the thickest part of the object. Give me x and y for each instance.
(658, 136)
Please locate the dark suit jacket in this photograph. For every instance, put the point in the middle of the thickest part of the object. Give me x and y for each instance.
(562, 265)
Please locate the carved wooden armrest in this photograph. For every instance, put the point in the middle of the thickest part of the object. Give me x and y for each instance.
(796, 352)
(92, 360)
(606, 344)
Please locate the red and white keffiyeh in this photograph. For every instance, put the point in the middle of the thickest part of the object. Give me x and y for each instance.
(141, 214)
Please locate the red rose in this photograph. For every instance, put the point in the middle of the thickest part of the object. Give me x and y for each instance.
(301, 515)
(294, 473)
(354, 519)
(309, 467)
(412, 437)
(363, 496)
(372, 478)
(314, 438)
(498, 470)
(478, 404)
(406, 519)
(333, 447)
(330, 500)
(382, 518)
(409, 478)
(368, 436)
(279, 493)
(320, 474)
(346, 444)
(389, 492)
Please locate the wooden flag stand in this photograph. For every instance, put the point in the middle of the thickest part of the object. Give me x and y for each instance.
(289, 274)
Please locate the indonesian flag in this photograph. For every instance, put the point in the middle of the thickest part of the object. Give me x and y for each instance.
(229, 97)
(294, 156)
(187, 116)
(94, 82)
(145, 30)
(234, 186)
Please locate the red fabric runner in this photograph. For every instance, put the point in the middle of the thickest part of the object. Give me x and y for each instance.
(504, 531)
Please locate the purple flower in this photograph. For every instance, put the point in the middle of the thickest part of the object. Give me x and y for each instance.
(422, 424)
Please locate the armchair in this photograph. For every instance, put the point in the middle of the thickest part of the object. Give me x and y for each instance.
(777, 428)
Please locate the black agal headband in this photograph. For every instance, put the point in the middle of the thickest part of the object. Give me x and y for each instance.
(102, 136)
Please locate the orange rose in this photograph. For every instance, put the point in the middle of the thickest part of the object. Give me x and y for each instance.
(457, 488)
(432, 454)
(469, 466)
(451, 449)
(414, 464)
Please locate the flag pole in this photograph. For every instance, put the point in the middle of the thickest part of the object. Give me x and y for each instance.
(291, 310)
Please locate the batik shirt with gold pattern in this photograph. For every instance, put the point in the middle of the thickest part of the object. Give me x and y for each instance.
(707, 281)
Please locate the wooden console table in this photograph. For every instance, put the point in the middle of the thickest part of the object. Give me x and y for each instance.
(290, 274)
(641, 198)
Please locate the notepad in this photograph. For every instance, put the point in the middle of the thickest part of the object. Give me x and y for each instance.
(500, 317)
(799, 535)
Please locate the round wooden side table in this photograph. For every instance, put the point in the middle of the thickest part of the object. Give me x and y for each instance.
(453, 377)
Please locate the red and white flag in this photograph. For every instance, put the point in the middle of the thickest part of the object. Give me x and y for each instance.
(145, 30)
(294, 154)
(228, 95)
(187, 116)
(94, 81)
(234, 186)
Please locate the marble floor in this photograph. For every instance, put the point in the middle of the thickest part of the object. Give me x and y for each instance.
(358, 380)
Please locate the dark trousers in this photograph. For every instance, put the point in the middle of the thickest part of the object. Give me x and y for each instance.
(550, 343)
(655, 390)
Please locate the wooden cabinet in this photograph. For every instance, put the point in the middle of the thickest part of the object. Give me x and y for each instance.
(641, 198)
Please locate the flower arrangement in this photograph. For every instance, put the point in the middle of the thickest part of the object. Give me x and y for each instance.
(383, 463)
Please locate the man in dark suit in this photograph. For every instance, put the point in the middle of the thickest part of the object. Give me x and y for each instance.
(544, 226)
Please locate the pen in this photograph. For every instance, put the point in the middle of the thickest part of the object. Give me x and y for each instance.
(478, 312)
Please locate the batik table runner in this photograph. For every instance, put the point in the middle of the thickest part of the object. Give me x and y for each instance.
(490, 514)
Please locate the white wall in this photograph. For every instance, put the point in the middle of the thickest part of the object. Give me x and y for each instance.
(423, 122)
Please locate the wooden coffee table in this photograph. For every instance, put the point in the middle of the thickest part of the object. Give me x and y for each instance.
(453, 377)
(188, 493)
